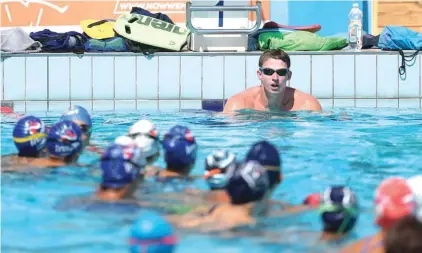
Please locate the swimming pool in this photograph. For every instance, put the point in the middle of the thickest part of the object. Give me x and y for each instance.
(357, 147)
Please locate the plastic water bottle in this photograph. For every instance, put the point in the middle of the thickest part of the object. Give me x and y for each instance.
(355, 27)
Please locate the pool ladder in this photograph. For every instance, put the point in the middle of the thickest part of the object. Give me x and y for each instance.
(204, 40)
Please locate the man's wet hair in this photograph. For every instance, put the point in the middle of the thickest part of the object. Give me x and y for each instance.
(276, 54)
(405, 236)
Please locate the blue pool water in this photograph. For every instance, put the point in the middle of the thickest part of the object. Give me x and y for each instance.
(344, 146)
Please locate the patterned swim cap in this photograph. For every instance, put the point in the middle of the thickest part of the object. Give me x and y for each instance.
(64, 139)
(29, 136)
(339, 209)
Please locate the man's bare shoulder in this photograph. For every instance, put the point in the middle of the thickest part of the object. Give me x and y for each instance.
(241, 100)
(305, 101)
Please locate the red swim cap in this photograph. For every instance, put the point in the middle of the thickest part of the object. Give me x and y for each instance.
(393, 200)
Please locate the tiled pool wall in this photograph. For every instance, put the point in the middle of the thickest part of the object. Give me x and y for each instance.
(172, 82)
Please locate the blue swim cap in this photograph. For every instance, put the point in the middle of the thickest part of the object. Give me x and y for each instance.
(339, 209)
(120, 165)
(30, 136)
(64, 139)
(248, 182)
(268, 156)
(179, 147)
(151, 233)
(179, 131)
(77, 112)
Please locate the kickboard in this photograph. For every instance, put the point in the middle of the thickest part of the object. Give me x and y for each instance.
(151, 31)
(309, 28)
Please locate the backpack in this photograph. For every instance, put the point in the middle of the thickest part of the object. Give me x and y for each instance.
(401, 38)
(60, 42)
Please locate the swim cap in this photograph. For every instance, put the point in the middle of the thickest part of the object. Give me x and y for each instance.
(146, 137)
(180, 148)
(339, 209)
(393, 200)
(268, 156)
(30, 136)
(216, 165)
(120, 165)
(77, 112)
(415, 184)
(180, 132)
(247, 182)
(151, 233)
(124, 140)
(64, 139)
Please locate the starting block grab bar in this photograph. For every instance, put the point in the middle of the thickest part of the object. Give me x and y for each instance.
(257, 9)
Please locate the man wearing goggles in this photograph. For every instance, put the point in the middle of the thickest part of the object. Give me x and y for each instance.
(273, 93)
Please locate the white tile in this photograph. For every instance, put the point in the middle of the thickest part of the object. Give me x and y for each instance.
(191, 77)
(322, 76)
(36, 78)
(1, 77)
(368, 103)
(234, 75)
(58, 78)
(125, 77)
(127, 105)
(147, 105)
(36, 106)
(19, 106)
(326, 103)
(252, 62)
(191, 104)
(409, 83)
(58, 106)
(169, 105)
(212, 72)
(87, 104)
(169, 77)
(388, 103)
(387, 76)
(147, 77)
(409, 103)
(344, 76)
(14, 78)
(366, 76)
(81, 77)
(301, 72)
(344, 103)
(103, 77)
(103, 105)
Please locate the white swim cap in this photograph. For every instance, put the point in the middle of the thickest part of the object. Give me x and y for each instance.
(415, 184)
(146, 137)
(124, 140)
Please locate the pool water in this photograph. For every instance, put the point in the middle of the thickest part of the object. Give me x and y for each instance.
(355, 147)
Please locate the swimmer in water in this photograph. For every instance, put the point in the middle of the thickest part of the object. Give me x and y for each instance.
(248, 188)
(64, 145)
(404, 236)
(394, 200)
(216, 166)
(273, 94)
(180, 150)
(120, 166)
(146, 137)
(268, 156)
(81, 117)
(151, 233)
(339, 212)
(30, 138)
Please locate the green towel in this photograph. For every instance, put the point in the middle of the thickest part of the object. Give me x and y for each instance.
(299, 41)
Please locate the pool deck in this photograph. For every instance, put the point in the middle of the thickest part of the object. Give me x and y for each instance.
(185, 80)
